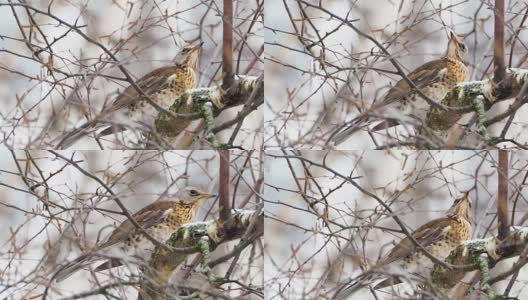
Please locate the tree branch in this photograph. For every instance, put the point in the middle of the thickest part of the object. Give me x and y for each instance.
(502, 205)
(227, 45)
(498, 53)
(225, 208)
(164, 262)
(465, 94)
(471, 252)
(173, 132)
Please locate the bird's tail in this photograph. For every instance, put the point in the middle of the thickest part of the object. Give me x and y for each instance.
(354, 126)
(351, 287)
(386, 124)
(73, 266)
(73, 136)
(367, 278)
(111, 130)
(360, 124)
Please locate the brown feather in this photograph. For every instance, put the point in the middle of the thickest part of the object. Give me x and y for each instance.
(388, 282)
(111, 130)
(147, 217)
(150, 84)
(457, 219)
(422, 76)
(426, 235)
(386, 124)
(173, 213)
(109, 264)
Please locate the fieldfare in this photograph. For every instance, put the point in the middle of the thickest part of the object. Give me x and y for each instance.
(435, 79)
(438, 237)
(132, 110)
(159, 219)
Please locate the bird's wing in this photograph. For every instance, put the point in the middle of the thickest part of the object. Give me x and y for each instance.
(109, 264)
(150, 215)
(386, 124)
(151, 83)
(424, 75)
(76, 134)
(147, 217)
(111, 130)
(426, 234)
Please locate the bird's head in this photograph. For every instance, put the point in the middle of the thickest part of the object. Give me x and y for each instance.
(461, 206)
(456, 49)
(192, 195)
(189, 55)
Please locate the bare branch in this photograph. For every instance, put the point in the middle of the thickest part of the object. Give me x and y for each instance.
(502, 204)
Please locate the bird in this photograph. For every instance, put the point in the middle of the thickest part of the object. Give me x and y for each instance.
(159, 219)
(132, 110)
(435, 79)
(438, 237)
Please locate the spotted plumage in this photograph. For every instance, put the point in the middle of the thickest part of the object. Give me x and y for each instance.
(176, 80)
(132, 110)
(159, 219)
(435, 79)
(438, 237)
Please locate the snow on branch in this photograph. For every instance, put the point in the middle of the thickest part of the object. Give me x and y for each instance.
(476, 96)
(199, 237)
(482, 255)
(206, 104)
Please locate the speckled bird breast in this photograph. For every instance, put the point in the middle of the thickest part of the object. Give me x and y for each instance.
(180, 214)
(141, 247)
(182, 80)
(414, 104)
(458, 231)
(456, 72)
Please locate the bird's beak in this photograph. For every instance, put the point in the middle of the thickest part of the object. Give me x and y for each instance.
(466, 197)
(207, 196)
(198, 46)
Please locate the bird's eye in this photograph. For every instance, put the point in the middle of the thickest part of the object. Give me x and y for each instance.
(463, 47)
(194, 193)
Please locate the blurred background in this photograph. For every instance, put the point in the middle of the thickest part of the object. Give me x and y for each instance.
(331, 228)
(319, 86)
(48, 91)
(51, 213)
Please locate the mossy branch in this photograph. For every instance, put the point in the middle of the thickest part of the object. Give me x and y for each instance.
(482, 254)
(191, 106)
(200, 237)
(466, 94)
